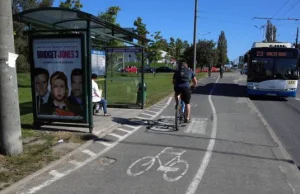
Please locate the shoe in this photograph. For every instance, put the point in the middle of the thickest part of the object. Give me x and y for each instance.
(106, 114)
(187, 120)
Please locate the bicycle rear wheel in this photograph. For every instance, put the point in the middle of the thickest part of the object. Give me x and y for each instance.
(176, 119)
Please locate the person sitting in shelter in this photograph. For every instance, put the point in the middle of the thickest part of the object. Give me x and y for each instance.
(97, 97)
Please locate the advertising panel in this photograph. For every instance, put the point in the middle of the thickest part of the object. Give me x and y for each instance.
(58, 78)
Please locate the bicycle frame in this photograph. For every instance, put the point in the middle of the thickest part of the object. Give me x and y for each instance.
(181, 112)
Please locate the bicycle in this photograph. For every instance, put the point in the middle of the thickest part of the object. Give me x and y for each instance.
(174, 169)
(179, 114)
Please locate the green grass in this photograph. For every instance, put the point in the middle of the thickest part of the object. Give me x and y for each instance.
(122, 87)
(35, 156)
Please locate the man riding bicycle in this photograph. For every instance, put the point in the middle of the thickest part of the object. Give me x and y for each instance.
(209, 70)
(181, 81)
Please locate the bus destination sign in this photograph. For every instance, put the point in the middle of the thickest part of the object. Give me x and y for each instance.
(265, 53)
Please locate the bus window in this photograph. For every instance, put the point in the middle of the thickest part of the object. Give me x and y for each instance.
(285, 68)
(263, 67)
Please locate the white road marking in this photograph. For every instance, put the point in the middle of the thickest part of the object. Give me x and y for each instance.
(55, 173)
(199, 175)
(89, 152)
(143, 118)
(130, 126)
(297, 98)
(74, 162)
(87, 161)
(151, 111)
(197, 125)
(148, 162)
(115, 135)
(104, 143)
(124, 130)
(167, 117)
(147, 114)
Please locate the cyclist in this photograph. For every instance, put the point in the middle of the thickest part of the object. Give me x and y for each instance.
(209, 70)
(181, 80)
(221, 71)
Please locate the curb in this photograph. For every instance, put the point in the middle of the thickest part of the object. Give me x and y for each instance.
(101, 134)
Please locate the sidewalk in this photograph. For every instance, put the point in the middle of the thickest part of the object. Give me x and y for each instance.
(103, 125)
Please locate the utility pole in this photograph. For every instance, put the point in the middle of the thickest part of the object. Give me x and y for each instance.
(195, 36)
(10, 127)
(297, 37)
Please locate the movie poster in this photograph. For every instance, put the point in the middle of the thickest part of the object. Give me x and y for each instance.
(98, 62)
(58, 78)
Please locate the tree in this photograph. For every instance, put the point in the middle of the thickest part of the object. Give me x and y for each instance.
(71, 4)
(205, 53)
(141, 29)
(21, 39)
(222, 49)
(172, 47)
(110, 15)
(154, 49)
(179, 48)
(270, 32)
(46, 3)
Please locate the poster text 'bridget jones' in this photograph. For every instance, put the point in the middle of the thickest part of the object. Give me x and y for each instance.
(64, 54)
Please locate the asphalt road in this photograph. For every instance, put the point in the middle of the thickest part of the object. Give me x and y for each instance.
(225, 149)
(283, 115)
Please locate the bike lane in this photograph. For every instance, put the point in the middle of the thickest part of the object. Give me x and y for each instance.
(171, 158)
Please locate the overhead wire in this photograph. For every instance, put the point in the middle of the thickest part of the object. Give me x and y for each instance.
(292, 7)
(281, 8)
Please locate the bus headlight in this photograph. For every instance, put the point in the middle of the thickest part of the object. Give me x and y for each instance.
(252, 87)
(291, 89)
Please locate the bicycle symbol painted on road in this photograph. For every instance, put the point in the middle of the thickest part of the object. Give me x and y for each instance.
(173, 170)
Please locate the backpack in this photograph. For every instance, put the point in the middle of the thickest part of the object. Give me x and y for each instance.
(184, 74)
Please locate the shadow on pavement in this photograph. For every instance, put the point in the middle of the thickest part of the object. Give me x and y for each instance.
(231, 90)
(222, 89)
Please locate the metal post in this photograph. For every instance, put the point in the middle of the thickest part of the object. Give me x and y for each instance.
(89, 77)
(143, 79)
(10, 127)
(195, 34)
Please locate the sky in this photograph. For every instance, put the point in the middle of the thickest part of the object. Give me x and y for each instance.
(175, 18)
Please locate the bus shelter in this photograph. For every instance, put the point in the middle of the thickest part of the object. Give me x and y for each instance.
(66, 47)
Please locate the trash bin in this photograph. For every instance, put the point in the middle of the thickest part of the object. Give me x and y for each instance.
(140, 94)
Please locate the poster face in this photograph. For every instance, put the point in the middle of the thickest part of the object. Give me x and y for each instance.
(58, 78)
(98, 62)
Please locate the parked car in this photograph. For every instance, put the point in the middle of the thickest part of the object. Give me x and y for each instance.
(131, 69)
(147, 70)
(164, 70)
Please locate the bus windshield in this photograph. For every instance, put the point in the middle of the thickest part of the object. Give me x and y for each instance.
(270, 68)
(262, 68)
(285, 69)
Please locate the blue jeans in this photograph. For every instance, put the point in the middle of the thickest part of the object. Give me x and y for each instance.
(103, 103)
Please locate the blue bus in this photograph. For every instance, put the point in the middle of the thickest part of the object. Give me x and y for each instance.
(272, 71)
